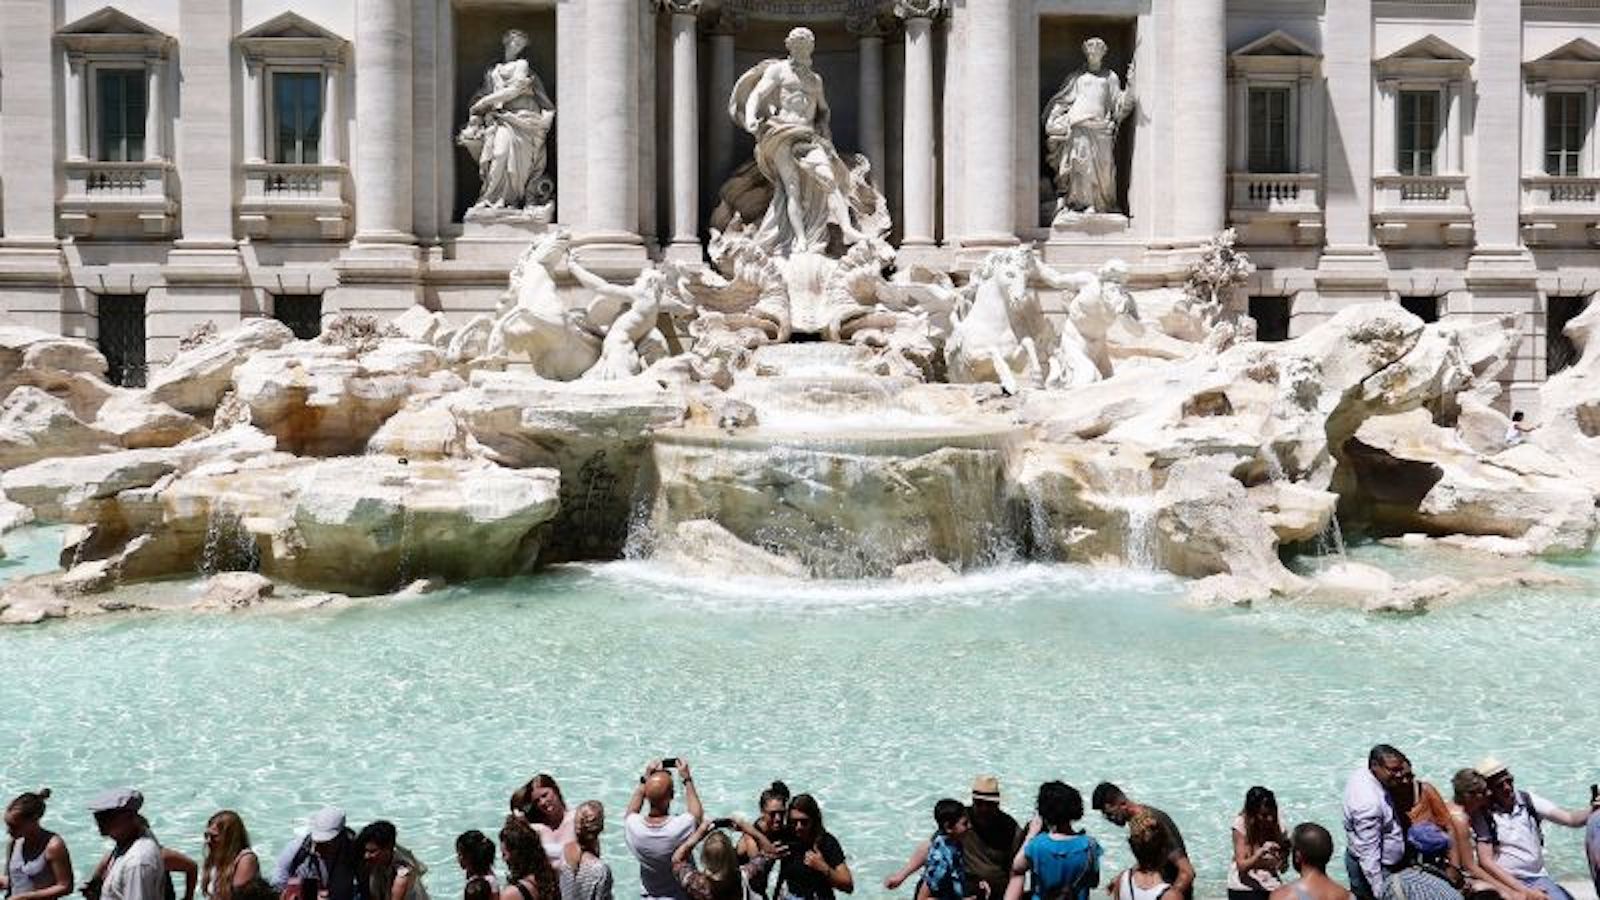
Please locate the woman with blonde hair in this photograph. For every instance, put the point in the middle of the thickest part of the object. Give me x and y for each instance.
(37, 865)
(229, 862)
(1471, 798)
(584, 875)
(722, 878)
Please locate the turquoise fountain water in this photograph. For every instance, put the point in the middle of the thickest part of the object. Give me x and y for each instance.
(880, 699)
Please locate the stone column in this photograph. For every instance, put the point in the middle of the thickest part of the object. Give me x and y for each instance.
(611, 95)
(868, 29)
(991, 85)
(383, 107)
(330, 141)
(685, 129)
(77, 146)
(917, 197)
(719, 126)
(1199, 176)
(155, 122)
(255, 146)
(380, 272)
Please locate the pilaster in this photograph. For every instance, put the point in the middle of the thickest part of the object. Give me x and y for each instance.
(1496, 186)
(1200, 73)
(868, 30)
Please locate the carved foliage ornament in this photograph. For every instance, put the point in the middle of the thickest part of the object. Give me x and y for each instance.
(920, 9)
(679, 7)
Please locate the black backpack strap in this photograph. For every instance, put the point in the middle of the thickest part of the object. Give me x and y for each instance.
(523, 890)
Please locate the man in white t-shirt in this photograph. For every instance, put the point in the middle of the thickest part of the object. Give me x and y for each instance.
(1510, 833)
(653, 836)
(135, 870)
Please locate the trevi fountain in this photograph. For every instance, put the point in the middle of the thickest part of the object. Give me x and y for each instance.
(790, 494)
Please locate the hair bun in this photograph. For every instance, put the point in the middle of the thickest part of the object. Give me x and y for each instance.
(780, 787)
(44, 793)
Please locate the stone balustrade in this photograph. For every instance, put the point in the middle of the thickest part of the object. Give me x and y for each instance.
(1291, 192)
(287, 200)
(117, 199)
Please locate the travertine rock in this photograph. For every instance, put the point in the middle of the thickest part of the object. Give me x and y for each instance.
(702, 547)
(195, 380)
(136, 421)
(1416, 475)
(35, 425)
(228, 591)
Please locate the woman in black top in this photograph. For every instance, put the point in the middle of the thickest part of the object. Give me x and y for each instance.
(814, 867)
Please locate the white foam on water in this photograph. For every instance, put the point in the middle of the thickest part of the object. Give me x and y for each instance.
(993, 586)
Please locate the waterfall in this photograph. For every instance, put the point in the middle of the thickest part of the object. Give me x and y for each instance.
(1136, 497)
(407, 522)
(229, 546)
(1330, 540)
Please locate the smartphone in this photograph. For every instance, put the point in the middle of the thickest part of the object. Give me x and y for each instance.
(1594, 793)
(722, 823)
(670, 762)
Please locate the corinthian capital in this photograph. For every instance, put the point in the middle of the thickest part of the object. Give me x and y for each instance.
(679, 7)
(920, 9)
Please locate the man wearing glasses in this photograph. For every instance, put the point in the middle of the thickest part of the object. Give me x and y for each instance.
(1511, 830)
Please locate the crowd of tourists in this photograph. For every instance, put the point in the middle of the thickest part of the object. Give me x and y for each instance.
(1403, 841)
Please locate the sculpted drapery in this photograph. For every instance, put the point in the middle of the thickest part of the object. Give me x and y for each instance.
(1080, 124)
(507, 132)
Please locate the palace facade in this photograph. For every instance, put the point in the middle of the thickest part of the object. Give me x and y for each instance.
(168, 162)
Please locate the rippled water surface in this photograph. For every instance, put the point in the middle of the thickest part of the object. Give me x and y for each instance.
(879, 700)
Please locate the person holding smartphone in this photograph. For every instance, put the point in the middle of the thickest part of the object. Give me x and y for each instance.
(655, 835)
(814, 867)
(720, 876)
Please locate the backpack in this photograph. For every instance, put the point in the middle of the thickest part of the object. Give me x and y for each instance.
(1527, 803)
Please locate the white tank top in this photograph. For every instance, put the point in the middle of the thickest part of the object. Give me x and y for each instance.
(28, 874)
(1131, 891)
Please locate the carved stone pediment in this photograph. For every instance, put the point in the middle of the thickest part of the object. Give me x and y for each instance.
(1276, 51)
(1576, 60)
(112, 32)
(1427, 57)
(292, 38)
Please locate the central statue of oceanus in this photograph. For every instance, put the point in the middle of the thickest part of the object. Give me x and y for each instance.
(802, 193)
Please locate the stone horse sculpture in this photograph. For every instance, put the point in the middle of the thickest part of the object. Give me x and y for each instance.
(1002, 334)
(614, 334)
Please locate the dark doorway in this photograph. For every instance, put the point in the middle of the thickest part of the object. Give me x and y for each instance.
(1559, 351)
(121, 321)
(1424, 308)
(301, 312)
(1272, 317)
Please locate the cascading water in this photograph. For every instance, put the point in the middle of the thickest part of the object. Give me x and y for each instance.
(1137, 498)
(229, 546)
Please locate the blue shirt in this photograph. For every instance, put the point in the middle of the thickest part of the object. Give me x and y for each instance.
(945, 871)
(1065, 865)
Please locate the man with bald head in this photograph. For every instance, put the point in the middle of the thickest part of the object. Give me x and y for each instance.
(654, 834)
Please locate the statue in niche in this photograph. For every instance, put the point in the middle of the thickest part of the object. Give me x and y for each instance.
(506, 131)
(1080, 126)
(781, 102)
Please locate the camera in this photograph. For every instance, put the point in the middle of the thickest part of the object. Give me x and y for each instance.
(670, 762)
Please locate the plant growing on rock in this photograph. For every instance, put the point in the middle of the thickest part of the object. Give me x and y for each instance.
(198, 336)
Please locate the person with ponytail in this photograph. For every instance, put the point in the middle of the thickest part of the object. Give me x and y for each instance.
(583, 874)
(37, 864)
